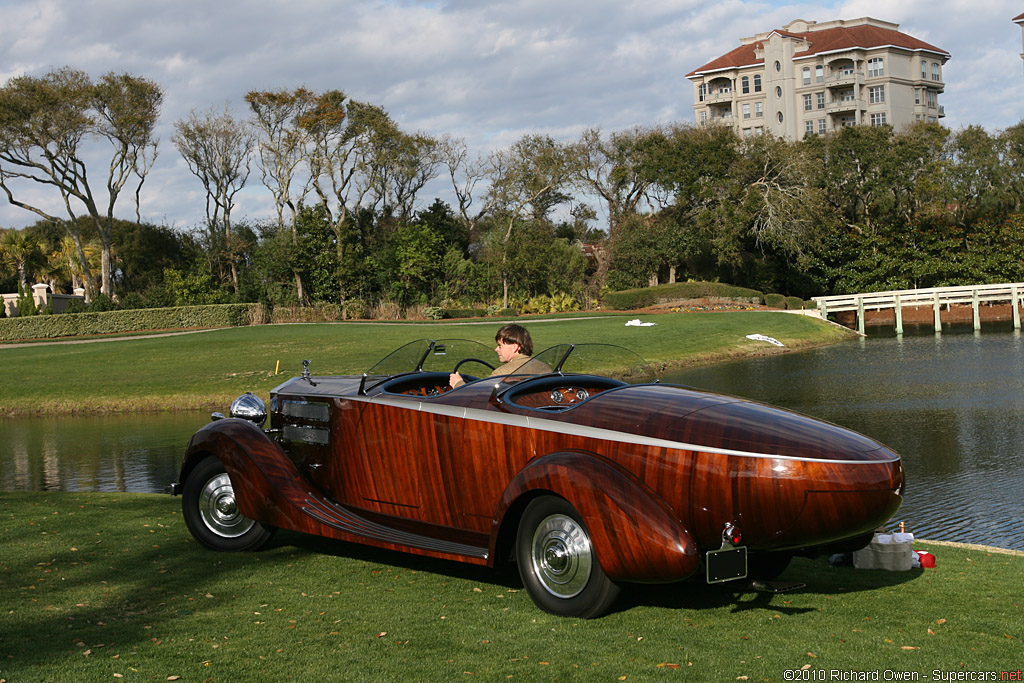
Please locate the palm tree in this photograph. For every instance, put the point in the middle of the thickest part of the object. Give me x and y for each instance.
(65, 264)
(22, 252)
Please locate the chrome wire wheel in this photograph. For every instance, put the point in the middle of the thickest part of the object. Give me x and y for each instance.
(219, 511)
(562, 556)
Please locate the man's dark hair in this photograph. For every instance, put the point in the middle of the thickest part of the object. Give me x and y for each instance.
(516, 334)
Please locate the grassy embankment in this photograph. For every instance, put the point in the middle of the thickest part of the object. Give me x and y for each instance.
(208, 369)
(104, 587)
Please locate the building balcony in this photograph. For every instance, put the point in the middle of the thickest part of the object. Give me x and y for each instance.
(853, 104)
(847, 79)
(719, 96)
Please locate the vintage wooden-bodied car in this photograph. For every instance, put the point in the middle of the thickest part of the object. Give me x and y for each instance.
(585, 481)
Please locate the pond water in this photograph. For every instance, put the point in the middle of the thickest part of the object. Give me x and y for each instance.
(138, 453)
(952, 405)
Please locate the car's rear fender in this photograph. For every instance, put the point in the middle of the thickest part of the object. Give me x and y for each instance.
(635, 534)
(267, 485)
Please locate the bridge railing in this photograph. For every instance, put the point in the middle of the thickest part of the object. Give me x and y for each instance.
(934, 296)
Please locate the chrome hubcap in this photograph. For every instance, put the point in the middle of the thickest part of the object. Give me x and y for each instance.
(562, 556)
(219, 511)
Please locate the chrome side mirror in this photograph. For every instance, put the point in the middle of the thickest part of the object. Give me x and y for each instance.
(249, 407)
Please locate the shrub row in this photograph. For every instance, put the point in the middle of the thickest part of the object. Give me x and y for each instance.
(629, 299)
(132, 320)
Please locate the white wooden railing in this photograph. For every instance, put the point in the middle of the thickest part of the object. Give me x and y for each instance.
(936, 297)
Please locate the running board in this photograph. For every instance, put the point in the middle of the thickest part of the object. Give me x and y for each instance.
(338, 517)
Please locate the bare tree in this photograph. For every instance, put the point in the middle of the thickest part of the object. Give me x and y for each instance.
(218, 150)
(465, 175)
(44, 124)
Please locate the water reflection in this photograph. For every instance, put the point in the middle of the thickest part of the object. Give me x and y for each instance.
(137, 453)
(951, 404)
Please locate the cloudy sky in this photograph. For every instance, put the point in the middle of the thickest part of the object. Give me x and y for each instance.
(488, 72)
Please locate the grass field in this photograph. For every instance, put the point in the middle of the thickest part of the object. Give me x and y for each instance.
(208, 369)
(108, 587)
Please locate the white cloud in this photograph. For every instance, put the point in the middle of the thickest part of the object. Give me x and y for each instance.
(488, 72)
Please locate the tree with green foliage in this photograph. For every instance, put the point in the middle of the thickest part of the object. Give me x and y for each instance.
(283, 148)
(45, 123)
(531, 173)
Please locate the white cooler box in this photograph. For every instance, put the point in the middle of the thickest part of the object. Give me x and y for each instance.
(886, 551)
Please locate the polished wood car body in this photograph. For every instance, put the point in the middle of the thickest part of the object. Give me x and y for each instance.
(657, 473)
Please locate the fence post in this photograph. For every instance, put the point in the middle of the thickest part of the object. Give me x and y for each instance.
(860, 314)
(935, 311)
(977, 313)
(899, 315)
(1013, 305)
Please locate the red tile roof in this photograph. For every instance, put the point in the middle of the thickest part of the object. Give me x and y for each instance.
(824, 40)
(1019, 17)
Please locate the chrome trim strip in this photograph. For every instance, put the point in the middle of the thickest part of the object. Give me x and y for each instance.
(547, 425)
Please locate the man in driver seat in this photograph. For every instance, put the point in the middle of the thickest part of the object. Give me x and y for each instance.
(514, 350)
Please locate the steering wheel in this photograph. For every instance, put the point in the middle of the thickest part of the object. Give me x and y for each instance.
(475, 360)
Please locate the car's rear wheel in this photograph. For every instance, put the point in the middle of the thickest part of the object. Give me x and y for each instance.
(557, 562)
(211, 512)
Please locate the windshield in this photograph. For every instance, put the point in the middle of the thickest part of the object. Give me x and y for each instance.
(441, 355)
(597, 359)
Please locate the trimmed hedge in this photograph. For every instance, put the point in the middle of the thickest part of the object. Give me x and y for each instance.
(794, 303)
(629, 299)
(132, 320)
(775, 301)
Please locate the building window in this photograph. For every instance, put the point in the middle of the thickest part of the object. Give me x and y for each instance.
(780, 117)
(807, 103)
(757, 82)
(746, 111)
(932, 99)
(876, 67)
(924, 69)
(821, 127)
(809, 127)
(778, 66)
(876, 94)
(778, 91)
(821, 100)
(725, 89)
(758, 109)
(702, 91)
(807, 75)
(819, 74)
(703, 117)
(917, 96)
(878, 119)
(935, 72)
(745, 85)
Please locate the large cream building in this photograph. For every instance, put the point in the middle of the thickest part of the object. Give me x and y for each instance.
(811, 78)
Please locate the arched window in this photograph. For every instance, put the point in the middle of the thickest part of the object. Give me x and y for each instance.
(745, 85)
(807, 75)
(757, 82)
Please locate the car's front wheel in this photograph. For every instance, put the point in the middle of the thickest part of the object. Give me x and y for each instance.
(557, 562)
(211, 512)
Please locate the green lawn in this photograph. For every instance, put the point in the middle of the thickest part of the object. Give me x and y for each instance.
(106, 587)
(208, 369)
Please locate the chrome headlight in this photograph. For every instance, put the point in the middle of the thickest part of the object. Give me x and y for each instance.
(249, 407)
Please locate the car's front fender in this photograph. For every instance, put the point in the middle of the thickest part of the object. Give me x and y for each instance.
(266, 482)
(635, 534)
